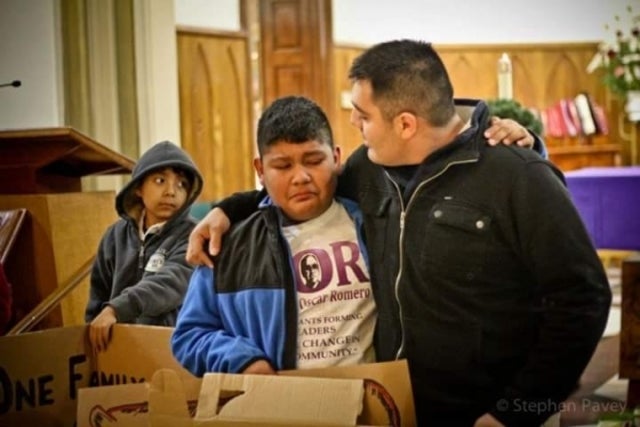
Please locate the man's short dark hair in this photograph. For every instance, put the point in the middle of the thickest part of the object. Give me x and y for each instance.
(407, 76)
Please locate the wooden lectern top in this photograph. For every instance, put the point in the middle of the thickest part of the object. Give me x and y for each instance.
(52, 160)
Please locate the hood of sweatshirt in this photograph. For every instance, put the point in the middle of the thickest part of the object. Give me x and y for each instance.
(161, 155)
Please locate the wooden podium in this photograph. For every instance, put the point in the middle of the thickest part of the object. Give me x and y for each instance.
(41, 170)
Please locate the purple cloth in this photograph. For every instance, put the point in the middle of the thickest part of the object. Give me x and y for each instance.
(626, 171)
(608, 200)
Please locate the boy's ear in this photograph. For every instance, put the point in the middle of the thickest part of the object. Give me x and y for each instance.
(259, 167)
(337, 156)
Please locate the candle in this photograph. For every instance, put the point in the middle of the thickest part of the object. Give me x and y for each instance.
(505, 78)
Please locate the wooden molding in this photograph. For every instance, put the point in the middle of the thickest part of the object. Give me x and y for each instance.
(542, 75)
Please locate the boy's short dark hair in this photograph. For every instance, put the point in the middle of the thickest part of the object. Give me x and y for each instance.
(294, 119)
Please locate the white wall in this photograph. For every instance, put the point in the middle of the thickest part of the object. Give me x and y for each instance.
(365, 22)
(216, 14)
(28, 52)
(29, 35)
(466, 22)
(156, 72)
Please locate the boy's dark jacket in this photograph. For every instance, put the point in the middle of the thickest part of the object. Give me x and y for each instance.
(494, 293)
(119, 277)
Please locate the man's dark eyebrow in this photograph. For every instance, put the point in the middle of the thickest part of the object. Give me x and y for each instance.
(357, 107)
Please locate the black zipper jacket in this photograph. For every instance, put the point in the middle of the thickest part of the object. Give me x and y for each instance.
(486, 279)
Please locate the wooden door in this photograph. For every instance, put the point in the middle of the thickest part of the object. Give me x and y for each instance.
(296, 52)
(220, 88)
(215, 110)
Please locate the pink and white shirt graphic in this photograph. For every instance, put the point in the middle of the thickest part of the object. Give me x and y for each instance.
(336, 309)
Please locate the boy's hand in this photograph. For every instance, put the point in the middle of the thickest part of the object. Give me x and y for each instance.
(100, 329)
(211, 228)
(260, 367)
(508, 131)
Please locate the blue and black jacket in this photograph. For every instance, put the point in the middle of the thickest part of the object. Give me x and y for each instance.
(245, 309)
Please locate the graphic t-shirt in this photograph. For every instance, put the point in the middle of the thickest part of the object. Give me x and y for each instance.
(336, 309)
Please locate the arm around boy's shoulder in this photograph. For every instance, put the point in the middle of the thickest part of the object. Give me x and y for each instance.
(355, 171)
(241, 205)
(539, 146)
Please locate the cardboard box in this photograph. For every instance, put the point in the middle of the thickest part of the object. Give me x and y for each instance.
(48, 378)
(388, 396)
(326, 397)
(41, 372)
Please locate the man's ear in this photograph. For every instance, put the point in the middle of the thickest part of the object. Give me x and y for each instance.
(406, 125)
(259, 167)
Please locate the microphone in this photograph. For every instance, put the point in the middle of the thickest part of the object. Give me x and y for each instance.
(15, 83)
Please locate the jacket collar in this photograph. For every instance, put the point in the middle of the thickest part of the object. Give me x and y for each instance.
(467, 146)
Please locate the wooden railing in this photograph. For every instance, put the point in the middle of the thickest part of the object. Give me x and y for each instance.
(50, 302)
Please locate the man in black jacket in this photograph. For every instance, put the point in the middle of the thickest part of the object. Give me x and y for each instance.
(484, 276)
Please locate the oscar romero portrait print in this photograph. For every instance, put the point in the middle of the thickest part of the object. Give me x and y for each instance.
(310, 271)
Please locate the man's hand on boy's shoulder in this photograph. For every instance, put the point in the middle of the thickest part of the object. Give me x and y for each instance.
(508, 131)
(207, 237)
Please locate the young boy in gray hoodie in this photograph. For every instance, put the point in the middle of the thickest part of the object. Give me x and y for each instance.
(140, 274)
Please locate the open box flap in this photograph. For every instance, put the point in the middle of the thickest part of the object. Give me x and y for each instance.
(326, 401)
(256, 400)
